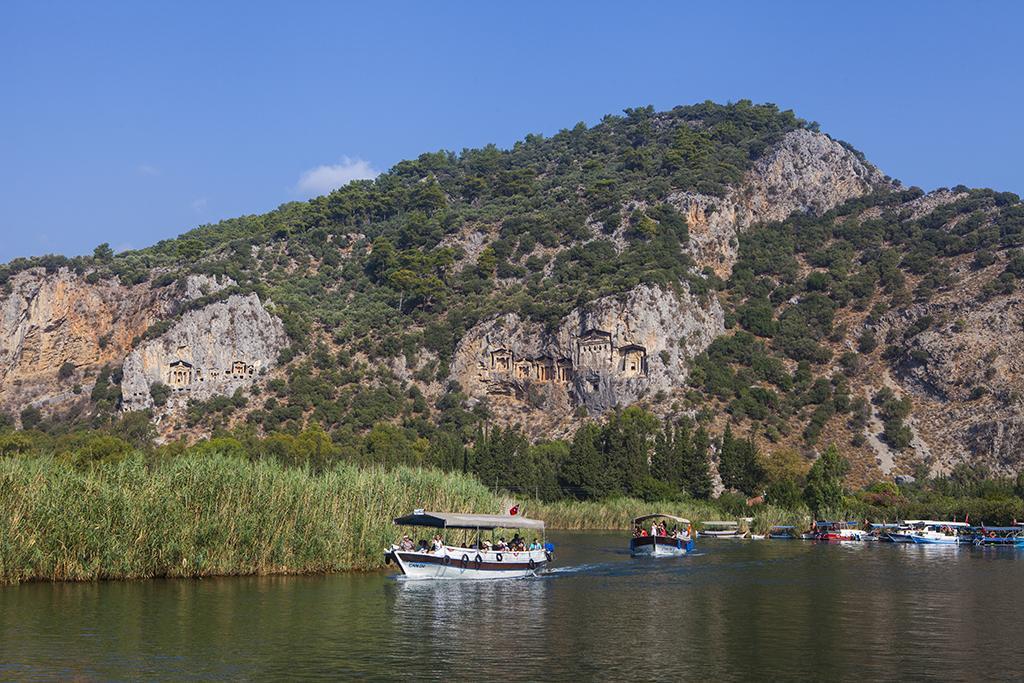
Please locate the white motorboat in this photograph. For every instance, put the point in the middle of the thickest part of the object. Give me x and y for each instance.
(656, 543)
(721, 529)
(931, 532)
(478, 560)
(839, 531)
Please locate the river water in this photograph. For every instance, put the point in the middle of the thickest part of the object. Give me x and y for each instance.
(733, 610)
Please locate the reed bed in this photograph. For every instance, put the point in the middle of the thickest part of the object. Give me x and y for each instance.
(207, 516)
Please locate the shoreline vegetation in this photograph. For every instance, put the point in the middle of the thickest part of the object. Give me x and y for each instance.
(210, 514)
(216, 515)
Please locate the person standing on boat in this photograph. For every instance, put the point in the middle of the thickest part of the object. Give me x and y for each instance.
(654, 529)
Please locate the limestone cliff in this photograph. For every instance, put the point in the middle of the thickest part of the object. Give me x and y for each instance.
(214, 350)
(60, 320)
(610, 353)
(806, 173)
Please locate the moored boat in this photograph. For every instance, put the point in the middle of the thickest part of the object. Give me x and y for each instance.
(721, 529)
(999, 536)
(838, 531)
(941, 533)
(470, 560)
(782, 533)
(659, 541)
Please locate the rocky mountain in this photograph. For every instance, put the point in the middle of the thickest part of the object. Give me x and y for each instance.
(727, 263)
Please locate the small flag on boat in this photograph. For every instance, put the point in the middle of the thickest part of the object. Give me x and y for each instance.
(514, 510)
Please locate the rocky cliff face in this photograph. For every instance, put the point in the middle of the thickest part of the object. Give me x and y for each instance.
(211, 351)
(49, 321)
(806, 172)
(610, 353)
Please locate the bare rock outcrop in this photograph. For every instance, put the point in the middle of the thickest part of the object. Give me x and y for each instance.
(211, 351)
(805, 172)
(611, 352)
(56, 320)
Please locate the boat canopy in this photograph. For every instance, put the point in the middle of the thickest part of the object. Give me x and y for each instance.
(889, 525)
(656, 515)
(996, 528)
(459, 520)
(932, 522)
(719, 523)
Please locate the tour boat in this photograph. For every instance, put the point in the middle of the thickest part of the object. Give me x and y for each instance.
(903, 531)
(468, 560)
(721, 529)
(782, 532)
(838, 531)
(880, 532)
(657, 545)
(999, 536)
(940, 533)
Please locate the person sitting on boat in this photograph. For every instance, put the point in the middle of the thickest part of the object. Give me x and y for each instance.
(437, 544)
(535, 545)
(502, 545)
(423, 547)
(485, 545)
(643, 533)
(406, 543)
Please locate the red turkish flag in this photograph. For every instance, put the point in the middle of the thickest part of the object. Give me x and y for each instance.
(514, 510)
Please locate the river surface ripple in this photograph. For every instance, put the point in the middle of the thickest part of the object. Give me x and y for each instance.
(734, 610)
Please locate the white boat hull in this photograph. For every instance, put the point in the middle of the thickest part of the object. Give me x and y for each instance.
(663, 547)
(467, 563)
(721, 534)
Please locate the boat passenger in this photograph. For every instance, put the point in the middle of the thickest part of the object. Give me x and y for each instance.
(437, 544)
(535, 545)
(406, 543)
(486, 544)
(502, 545)
(423, 547)
(643, 532)
(654, 529)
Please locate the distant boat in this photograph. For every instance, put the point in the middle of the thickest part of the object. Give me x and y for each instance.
(657, 545)
(880, 532)
(931, 532)
(479, 560)
(782, 532)
(758, 537)
(839, 531)
(721, 529)
(941, 533)
(999, 536)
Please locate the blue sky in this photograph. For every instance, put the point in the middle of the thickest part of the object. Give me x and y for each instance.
(132, 122)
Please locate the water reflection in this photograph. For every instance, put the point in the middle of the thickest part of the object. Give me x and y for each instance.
(733, 610)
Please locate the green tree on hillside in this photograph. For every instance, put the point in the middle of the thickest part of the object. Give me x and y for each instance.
(738, 465)
(824, 490)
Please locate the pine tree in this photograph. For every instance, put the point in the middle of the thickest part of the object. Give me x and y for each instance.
(738, 465)
(824, 491)
(695, 476)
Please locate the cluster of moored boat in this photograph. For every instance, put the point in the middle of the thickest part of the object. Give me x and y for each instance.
(656, 534)
(919, 531)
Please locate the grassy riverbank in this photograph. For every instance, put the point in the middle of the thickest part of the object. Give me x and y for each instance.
(211, 515)
(205, 516)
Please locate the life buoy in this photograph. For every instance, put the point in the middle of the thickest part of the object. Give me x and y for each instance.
(446, 561)
(479, 560)
(498, 557)
(464, 561)
(533, 565)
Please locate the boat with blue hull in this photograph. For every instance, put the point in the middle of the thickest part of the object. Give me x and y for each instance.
(931, 532)
(659, 542)
(999, 536)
